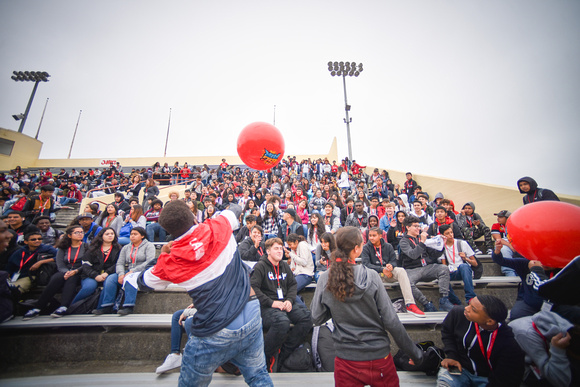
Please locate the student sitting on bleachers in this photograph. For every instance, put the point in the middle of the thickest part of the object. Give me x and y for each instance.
(396, 229)
(153, 228)
(133, 258)
(25, 262)
(300, 260)
(499, 231)
(380, 256)
(441, 219)
(99, 262)
(473, 227)
(460, 259)
(252, 248)
(323, 251)
(69, 257)
(110, 218)
(275, 287)
(50, 235)
(480, 346)
(418, 260)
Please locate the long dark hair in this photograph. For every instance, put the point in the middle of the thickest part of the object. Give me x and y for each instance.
(341, 273)
(97, 242)
(320, 229)
(329, 238)
(105, 213)
(65, 241)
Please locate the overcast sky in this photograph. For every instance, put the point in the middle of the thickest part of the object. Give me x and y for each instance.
(485, 91)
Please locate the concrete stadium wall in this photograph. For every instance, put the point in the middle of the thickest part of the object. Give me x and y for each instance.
(24, 153)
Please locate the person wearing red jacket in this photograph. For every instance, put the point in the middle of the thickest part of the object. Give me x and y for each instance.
(72, 196)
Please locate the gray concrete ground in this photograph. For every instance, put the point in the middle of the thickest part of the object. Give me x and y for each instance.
(151, 379)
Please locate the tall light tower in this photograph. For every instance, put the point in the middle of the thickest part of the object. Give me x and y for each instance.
(30, 76)
(345, 69)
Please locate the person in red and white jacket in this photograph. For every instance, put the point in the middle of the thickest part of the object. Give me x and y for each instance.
(204, 260)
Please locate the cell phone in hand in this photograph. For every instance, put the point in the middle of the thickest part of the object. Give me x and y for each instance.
(454, 370)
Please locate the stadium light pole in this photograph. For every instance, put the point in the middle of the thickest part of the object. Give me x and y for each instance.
(345, 69)
(30, 76)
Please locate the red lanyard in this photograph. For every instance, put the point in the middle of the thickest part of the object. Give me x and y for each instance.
(359, 221)
(453, 251)
(490, 346)
(260, 251)
(542, 336)
(277, 271)
(76, 255)
(133, 257)
(108, 253)
(109, 218)
(379, 254)
(349, 211)
(23, 262)
(42, 205)
(414, 243)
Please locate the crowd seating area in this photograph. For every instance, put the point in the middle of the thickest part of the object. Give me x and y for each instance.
(306, 186)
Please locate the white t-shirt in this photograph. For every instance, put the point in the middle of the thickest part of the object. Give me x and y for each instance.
(452, 253)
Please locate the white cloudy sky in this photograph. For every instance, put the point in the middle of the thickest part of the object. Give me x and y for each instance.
(486, 91)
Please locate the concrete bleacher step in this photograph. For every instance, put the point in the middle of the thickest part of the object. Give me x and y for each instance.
(65, 216)
(111, 339)
(170, 379)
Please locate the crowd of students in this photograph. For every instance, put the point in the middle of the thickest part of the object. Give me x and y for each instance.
(298, 221)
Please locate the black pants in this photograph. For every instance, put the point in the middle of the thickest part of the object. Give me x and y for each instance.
(56, 283)
(277, 323)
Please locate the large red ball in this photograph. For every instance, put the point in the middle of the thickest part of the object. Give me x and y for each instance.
(547, 231)
(260, 145)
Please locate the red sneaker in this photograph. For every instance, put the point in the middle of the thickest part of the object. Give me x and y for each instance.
(414, 310)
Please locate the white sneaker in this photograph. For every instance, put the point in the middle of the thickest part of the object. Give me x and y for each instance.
(478, 252)
(172, 361)
(489, 251)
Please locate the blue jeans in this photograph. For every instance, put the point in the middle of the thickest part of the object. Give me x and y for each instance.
(155, 228)
(130, 295)
(243, 346)
(110, 289)
(506, 252)
(124, 241)
(444, 378)
(176, 332)
(463, 273)
(64, 200)
(88, 287)
(302, 280)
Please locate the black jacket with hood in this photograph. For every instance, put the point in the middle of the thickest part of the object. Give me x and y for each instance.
(536, 194)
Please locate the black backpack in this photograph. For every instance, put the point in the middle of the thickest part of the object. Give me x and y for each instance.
(300, 360)
(432, 357)
(86, 305)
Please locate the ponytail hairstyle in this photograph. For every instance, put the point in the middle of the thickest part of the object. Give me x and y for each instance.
(341, 273)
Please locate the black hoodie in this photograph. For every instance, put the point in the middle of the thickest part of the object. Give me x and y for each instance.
(536, 194)
(265, 284)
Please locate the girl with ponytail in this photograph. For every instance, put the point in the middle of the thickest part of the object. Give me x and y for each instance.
(356, 300)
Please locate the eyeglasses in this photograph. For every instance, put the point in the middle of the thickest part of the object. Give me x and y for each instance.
(77, 232)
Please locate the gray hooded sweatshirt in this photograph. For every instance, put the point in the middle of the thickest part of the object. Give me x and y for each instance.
(362, 321)
(553, 366)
